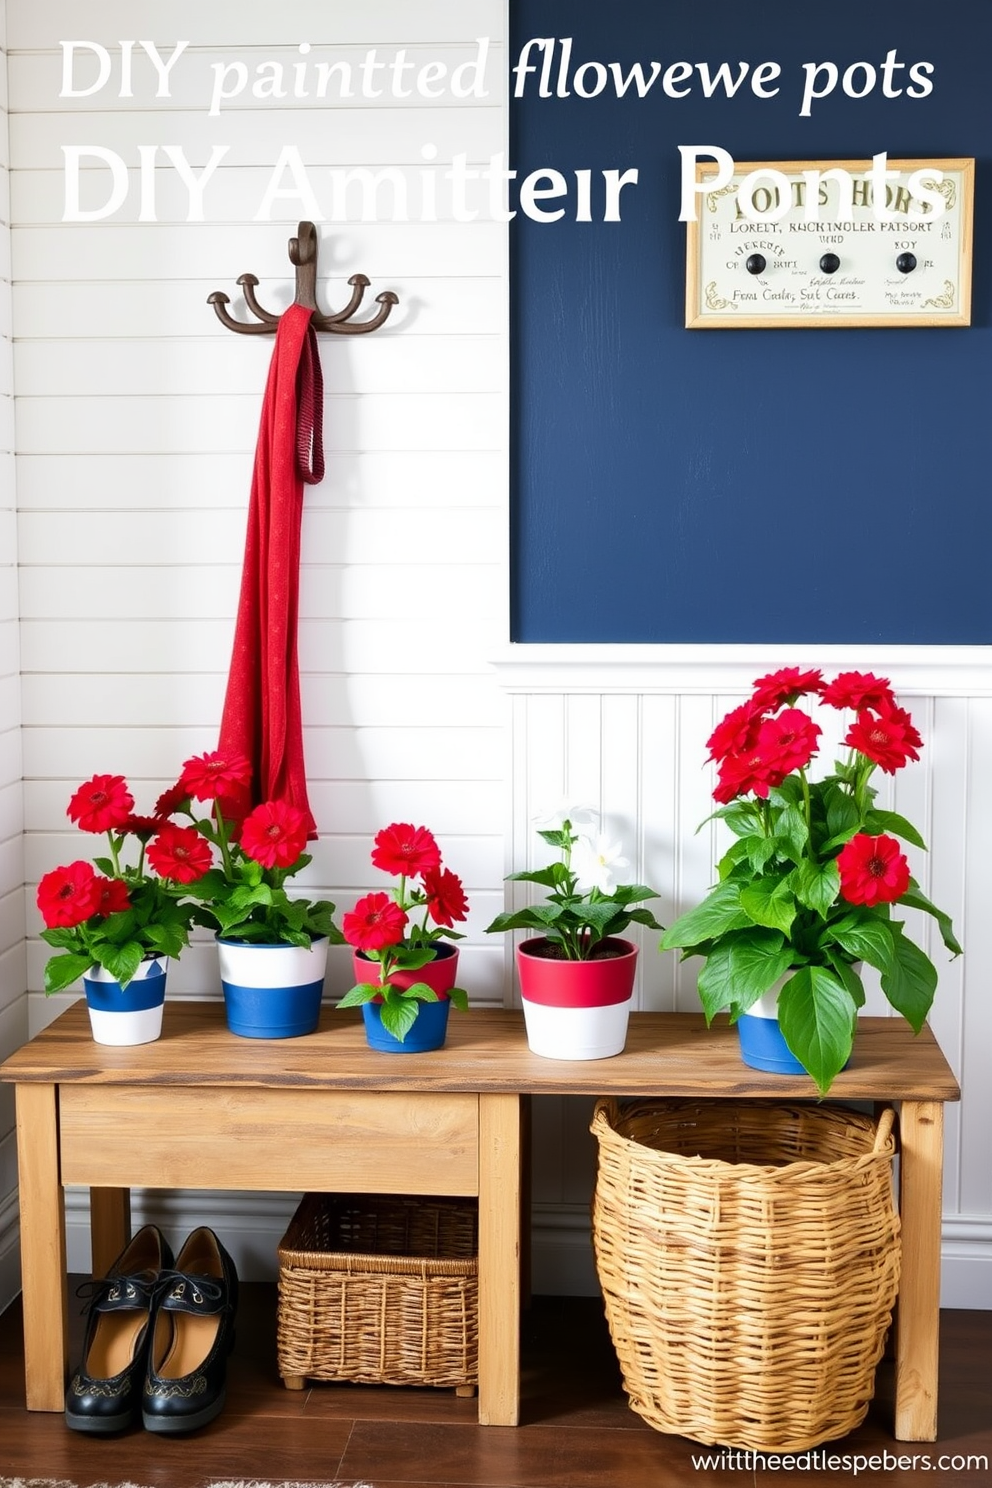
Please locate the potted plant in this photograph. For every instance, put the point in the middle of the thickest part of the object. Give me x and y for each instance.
(116, 927)
(577, 976)
(272, 946)
(807, 891)
(406, 934)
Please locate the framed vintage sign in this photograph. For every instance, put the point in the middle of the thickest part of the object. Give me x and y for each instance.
(831, 243)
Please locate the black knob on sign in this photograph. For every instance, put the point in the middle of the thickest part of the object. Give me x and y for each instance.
(829, 263)
(755, 264)
(906, 263)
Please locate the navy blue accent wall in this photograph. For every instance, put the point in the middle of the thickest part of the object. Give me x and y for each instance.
(743, 486)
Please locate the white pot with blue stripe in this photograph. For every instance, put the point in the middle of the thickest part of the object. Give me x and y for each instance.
(272, 991)
(127, 1015)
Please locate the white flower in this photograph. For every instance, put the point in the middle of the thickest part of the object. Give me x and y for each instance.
(597, 864)
(566, 811)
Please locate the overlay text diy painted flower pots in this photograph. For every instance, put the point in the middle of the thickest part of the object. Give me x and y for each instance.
(127, 1015)
(431, 1027)
(576, 1009)
(272, 991)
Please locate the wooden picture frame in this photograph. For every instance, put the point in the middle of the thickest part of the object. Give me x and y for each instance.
(909, 264)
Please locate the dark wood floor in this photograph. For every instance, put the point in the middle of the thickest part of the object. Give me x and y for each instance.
(577, 1430)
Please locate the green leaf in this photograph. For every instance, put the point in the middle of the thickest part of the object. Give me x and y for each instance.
(719, 912)
(121, 961)
(849, 977)
(459, 997)
(743, 966)
(843, 817)
(62, 971)
(364, 992)
(420, 992)
(548, 878)
(399, 1017)
(817, 1017)
(769, 902)
(916, 899)
(816, 885)
(910, 981)
(789, 793)
(877, 821)
(792, 833)
(864, 938)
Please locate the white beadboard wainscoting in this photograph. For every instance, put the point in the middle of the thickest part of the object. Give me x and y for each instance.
(623, 728)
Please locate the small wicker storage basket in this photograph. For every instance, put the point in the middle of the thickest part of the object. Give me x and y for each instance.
(379, 1290)
(749, 1260)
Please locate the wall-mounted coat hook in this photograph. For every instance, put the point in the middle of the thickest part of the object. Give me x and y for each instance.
(303, 255)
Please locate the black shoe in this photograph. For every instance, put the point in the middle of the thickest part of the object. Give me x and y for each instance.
(192, 1335)
(104, 1394)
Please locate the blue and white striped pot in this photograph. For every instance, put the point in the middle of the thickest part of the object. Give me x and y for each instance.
(272, 991)
(127, 1015)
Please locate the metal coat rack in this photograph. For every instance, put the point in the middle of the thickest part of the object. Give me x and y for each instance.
(303, 255)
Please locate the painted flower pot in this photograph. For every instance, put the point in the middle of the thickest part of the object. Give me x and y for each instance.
(272, 991)
(431, 1028)
(762, 1044)
(127, 1015)
(576, 1009)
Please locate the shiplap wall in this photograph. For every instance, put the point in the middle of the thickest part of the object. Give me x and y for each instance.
(136, 422)
(13, 1008)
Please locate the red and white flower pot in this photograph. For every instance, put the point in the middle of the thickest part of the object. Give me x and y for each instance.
(576, 1009)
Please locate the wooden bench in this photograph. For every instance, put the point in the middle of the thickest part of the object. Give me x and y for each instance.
(201, 1108)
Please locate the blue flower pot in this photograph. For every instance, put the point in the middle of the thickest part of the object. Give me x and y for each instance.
(764, 1048)
(429, 1031)
(272, 991)
(127, 1015)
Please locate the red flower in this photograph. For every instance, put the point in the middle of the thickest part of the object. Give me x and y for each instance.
(113, 896)
(207, 776)
(857, 690)
(274, 834)
(101, 804)
(446, 900)
(170, 800)
(409, 851)
(736, 733)
(873, 870)
(886, 736)
(68, 896)
(376, 922)
(144, 827)
(784, 686)
(741, 773)
(179, 853)
(788, 741)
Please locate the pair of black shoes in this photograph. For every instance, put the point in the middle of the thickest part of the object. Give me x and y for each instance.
(158, 1334)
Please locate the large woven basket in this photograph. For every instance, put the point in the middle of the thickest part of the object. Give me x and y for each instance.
(749, 1260)
(380, 1290)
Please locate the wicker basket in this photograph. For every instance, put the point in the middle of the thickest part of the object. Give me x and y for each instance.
(380, 1290)
(749, 1260)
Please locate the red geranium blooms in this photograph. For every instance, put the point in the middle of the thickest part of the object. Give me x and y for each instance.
(887, 737)
(446, 900)
(406, 850)
(101, 804)
(375, 923)
(68, 896)
(114, 897)
(857, 690)
(873, 870)
(207, 776)
(274, 834)
(784, 686)
(737, 733)
(179, 853)
(788, 741)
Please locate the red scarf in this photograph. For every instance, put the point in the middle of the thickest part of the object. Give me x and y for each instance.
(262, 717)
